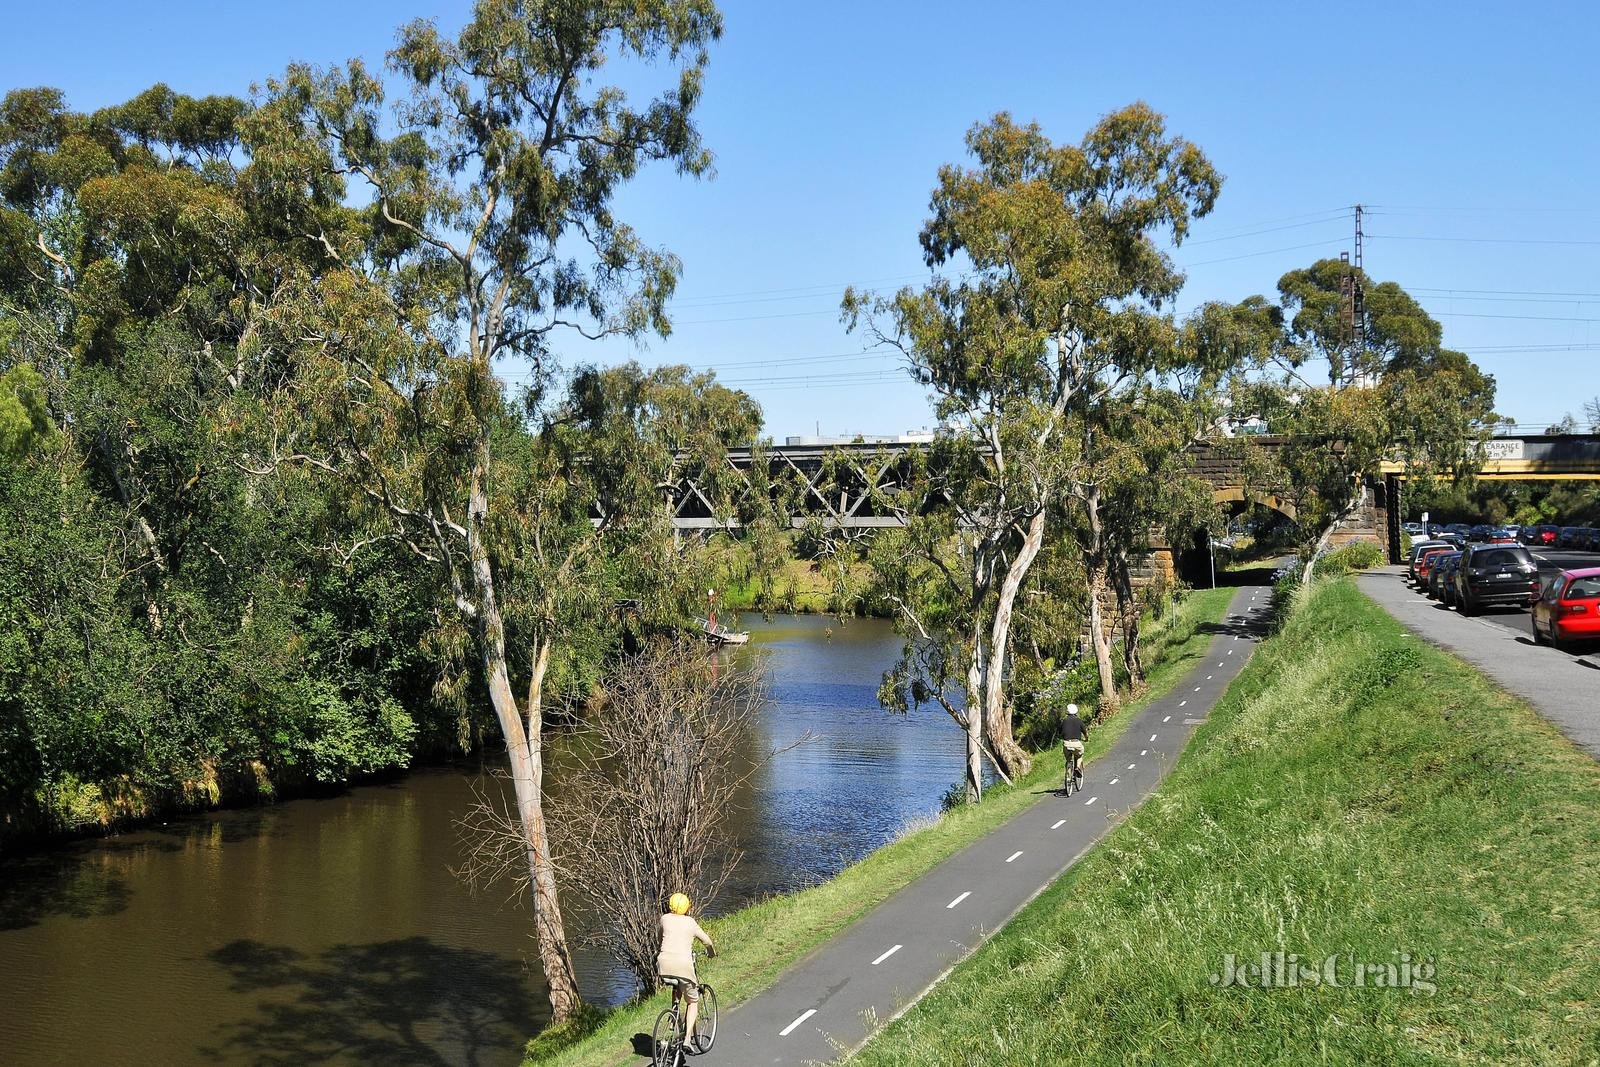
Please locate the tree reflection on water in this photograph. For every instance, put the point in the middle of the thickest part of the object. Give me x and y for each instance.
(407, 1001)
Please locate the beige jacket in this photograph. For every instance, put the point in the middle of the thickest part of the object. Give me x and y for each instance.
(678, 935)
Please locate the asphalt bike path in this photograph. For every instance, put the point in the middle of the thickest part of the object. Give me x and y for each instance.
(834, 999)
(1564, 688)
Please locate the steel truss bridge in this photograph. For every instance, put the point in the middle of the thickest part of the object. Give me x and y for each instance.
(836, 483)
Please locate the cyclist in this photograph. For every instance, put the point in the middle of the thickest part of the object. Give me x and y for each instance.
(675, 963)
(1074, 732)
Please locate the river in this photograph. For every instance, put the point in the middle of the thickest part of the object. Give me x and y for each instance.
(333, 931)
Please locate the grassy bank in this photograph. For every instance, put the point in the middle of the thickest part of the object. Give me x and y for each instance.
(758, 942)
(1355, 795)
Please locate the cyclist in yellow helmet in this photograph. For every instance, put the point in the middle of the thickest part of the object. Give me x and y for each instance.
(675, 962)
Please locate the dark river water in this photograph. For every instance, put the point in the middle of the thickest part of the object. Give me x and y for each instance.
(332, 930)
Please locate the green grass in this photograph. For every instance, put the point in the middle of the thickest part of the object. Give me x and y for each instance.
(1355, 793)
(758, 942)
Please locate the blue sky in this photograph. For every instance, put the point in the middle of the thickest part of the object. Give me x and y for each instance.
(1469, 129)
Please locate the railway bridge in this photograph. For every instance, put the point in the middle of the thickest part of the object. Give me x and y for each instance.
(836, 483)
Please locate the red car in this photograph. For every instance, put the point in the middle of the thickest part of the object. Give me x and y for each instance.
(1426, 561)
(1569, 608)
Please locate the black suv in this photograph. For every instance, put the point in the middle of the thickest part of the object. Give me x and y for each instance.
(1494, 574)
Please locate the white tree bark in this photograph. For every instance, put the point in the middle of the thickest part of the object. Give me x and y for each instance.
(1012, 757)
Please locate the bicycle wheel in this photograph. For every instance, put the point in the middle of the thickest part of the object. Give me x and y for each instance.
(664, 1040)
(705, 1024)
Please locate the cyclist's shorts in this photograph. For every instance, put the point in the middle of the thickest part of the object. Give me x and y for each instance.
(674, 976)
(1073, 746)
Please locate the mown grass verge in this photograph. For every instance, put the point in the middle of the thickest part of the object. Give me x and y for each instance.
(758, 942)
(1356, 795)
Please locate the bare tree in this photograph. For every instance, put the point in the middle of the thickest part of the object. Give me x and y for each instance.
(642, 811)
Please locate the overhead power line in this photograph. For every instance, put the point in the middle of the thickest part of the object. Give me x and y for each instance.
(1520, 318)
(1264, 252)
(1477, 240)
(1500, 292)
(1270, 229)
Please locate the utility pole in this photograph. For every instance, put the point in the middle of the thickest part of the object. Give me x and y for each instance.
(1359, 298)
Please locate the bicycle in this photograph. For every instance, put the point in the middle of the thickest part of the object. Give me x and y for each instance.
(1074, 773)
(669, 1044)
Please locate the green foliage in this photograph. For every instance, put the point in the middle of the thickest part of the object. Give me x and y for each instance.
(167, 620)
(1355, 556)
(1286, 594)
(24, 420)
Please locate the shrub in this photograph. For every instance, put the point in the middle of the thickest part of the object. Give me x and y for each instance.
(1284, 592)
(1355, 556)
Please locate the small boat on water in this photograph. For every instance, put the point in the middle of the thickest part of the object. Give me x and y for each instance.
(721, 634)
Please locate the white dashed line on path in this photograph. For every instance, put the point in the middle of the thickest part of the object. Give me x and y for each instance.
(1131, 766)
(1014, 855)
(1208, 677)
(1197, 689)
(886, 955)
(1058, 823)
(1182, 703)
(1169, 717)
(958, 900)
(1152, 737)
(787, 1030)
(1091, 800)
(1114, 781)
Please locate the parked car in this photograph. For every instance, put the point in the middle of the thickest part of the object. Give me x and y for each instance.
(1479, 533)
(1460, 529)
(1569, 608)
(1514, 530)
(1541, 536)
(1495, 574)
(1589, 539)
(1412, 528)
(1438, 574)
(1504, 535)
(1447, 583)
(1569, 537)
(1426, 562)
(1417, 549)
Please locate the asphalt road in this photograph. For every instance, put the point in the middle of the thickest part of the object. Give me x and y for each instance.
(833, 1000)
(1564, 687)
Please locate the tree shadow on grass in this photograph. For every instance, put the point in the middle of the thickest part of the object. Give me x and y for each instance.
(408, 1001)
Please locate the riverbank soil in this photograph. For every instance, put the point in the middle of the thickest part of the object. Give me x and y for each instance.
(758, 943)
(1420, 847)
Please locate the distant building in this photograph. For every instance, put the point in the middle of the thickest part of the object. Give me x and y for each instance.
(1251, 427)
(910, 437)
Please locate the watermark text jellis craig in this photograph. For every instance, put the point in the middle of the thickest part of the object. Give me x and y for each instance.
(1339, 970)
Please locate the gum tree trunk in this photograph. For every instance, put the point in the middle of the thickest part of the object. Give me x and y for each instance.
(524, 749)
(1095, 571)
(1012, 757)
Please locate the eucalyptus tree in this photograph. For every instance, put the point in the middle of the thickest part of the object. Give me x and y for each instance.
(1413, 400)
(470, 225)
(1062, 305)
